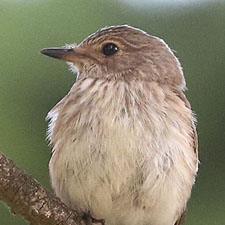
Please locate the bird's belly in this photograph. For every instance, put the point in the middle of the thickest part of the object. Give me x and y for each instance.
(121, 178)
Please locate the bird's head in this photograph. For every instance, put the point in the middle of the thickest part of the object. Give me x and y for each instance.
(122, 52)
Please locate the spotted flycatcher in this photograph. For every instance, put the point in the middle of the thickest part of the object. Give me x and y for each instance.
(124, 143)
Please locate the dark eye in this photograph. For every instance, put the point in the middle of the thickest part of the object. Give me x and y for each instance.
(110, 49)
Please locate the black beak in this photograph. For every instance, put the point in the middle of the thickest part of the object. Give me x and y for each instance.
(59, 53)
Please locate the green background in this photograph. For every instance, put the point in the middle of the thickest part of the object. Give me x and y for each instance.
(30, 84)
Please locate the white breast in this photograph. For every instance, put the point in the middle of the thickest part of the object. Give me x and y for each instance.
(123, 153)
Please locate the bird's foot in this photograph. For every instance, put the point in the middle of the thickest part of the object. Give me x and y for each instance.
(101, 221)
(89, 220)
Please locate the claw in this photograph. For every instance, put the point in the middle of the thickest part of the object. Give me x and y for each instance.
(89, 220)
(101, 221)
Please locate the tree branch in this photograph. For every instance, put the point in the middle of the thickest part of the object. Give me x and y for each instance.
(27, 197)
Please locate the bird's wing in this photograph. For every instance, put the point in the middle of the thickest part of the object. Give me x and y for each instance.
(194, 135)
(180, 221)
(181, 95)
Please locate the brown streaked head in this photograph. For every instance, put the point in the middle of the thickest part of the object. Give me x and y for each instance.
(121, 52)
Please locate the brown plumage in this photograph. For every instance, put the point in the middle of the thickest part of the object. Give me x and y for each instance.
(123, 139)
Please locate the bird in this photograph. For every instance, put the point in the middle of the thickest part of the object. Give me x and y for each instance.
(124, 140)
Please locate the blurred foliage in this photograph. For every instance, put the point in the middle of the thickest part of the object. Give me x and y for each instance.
(30, 84)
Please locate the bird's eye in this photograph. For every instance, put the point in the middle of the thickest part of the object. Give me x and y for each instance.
(110, 49)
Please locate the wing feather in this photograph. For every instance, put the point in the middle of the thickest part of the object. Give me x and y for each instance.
(181, 95)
